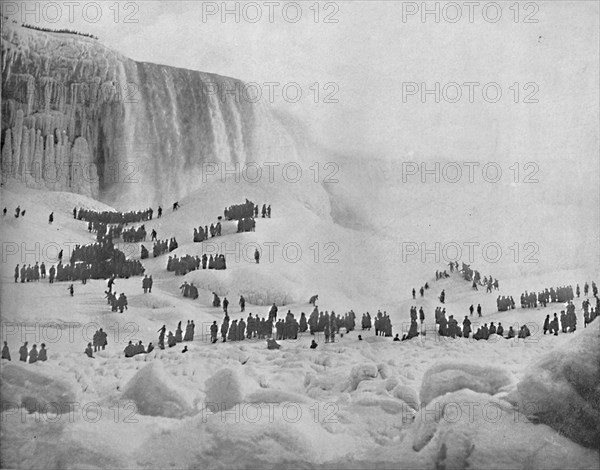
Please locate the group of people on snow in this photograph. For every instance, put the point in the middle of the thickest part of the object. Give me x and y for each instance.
(147, 284)
(246, 211)
(189, 290)
(178, 337)
(18, 212)
(34, 354)
(116, 303)
(201, 234)
(114, 217)
(505, 303)
(188, 263)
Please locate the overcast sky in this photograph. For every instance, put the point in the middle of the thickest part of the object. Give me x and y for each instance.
(372, 52)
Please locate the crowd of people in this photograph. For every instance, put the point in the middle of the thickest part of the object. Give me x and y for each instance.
(134, 235)
(101, 261)
(201, 234)
(188, 263)
(97, 261)
(116, 303)
(239, 330)
(246, 225)
(543, 298)
(113, 217)
(160, 247)
(505, 303)
(135, 349)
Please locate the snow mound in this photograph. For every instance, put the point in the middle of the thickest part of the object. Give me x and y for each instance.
(461, 430)
(360, 373)
(29, 387)
(407, 394)
(445, 378)
(325, 385)
(562, 390)
(224, 389)
(152, 391)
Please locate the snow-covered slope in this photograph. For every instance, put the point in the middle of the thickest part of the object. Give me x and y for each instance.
(349, 404)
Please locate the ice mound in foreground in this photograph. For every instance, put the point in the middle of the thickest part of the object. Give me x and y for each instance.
(562, 390)
(449, 377)
(35, 389)
(152, 392)
(466, 429)
(224, 390)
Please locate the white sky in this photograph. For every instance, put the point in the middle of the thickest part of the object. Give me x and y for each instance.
(370, 52)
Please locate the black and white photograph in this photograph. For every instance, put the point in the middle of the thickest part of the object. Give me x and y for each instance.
(311, 234)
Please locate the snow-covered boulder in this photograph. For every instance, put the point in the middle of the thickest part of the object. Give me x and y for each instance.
(154, 393)
(407, 394)
(465, 429)
(562, 390)
(33, 387)
(445, 378)
(224, 390)
(360, 373)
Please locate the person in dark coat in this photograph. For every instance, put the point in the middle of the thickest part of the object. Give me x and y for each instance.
(188, 332)
(313, 345)
(225, 304)
(171, 339)
(5, 351)
(33, 354)
(225, 328)
(161, 337)
(129, 350)
(178, 333)
(51, 218)
(150, 348)
(546, 324)
(42, 354)
(256, 255)
(88, 351)
(242, 303)
(214, 329)
(23, 352)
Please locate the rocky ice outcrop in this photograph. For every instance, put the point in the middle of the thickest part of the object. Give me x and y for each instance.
(35, 389)
(450, 377)
(154, 394)
(80, 117)
(562, 390)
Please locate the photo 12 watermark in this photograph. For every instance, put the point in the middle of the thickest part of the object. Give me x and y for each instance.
(271, 12)
(468, 172)
(271, 172)
(470, 12)
(470, 92)
(37, 13)
(33, 411)
(53, 332)
(468, 252)
(253, 413)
